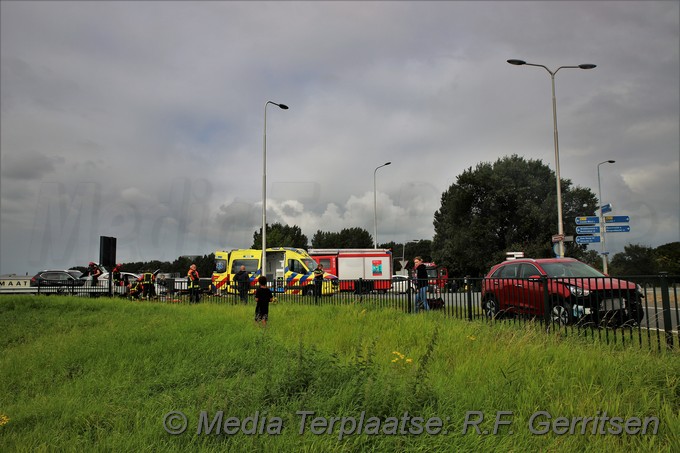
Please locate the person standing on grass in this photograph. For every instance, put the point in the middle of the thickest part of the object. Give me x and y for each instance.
(263, 296)
(421, 284)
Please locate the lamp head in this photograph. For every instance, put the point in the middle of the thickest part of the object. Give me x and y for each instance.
(517, 62)
(587, 66)
(611, 161)
(283, 106)
(388, 163)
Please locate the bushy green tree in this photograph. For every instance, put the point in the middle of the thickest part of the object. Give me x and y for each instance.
(509, 205)
(408, 251)
(668, 258)
(347, 238)
(279, 235)
(635, 260)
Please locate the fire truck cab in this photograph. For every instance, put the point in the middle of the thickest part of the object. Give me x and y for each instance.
(438, 278)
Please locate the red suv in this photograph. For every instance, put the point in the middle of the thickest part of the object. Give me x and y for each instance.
(576, 292)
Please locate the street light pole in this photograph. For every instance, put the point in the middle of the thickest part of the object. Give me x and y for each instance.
(264, 186)
(603, 228)
(560, 223)
(375, 208)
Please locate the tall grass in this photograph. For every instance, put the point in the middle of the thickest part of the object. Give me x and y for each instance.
(100, 374)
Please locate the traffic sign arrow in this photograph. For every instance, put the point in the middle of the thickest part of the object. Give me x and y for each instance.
(617, 228)
(616, 219)
(605, 208)
(587, 239)
(587, 220)
(587, 229)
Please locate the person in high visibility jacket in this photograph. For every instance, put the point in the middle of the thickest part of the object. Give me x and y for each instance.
(147, 280)
(193, 284)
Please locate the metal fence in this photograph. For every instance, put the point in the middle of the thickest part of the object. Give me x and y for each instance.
(642, 310)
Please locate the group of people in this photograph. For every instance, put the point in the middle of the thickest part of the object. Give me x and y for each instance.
(144, 286)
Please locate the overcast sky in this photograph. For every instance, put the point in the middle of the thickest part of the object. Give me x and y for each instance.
(144, 120)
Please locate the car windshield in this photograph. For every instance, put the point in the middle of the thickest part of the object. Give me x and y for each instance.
(570, 269)
(75, 273)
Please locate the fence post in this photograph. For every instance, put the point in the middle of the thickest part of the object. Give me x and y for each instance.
(546, 301)
(468, 290)
(409, 298)
(666, 304)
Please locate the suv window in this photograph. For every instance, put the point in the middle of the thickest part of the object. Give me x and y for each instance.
(510, 271)
(527, 270)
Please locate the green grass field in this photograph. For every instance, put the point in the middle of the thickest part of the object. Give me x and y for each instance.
(103, 375)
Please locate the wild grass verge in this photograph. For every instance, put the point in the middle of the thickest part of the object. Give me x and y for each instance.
(102, 374)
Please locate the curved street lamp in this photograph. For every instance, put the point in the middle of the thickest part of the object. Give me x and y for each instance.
(560, 224)
(603, 228)
(375, 208)
(264, 186)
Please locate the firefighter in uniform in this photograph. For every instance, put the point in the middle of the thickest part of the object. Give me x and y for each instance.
(147, 280)
(117, 281)
(193, 284)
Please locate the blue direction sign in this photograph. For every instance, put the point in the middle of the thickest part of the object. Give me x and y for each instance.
(587, 220)
(587, 239)
(616, 228)
(616, 219)
(606, 208)
(588, 230)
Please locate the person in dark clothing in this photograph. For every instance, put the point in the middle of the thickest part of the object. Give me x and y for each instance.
(94, 271)
(147, 280)
(421, 284)
(116, 273)
(263, 296)
(242, 280)
(318, 280)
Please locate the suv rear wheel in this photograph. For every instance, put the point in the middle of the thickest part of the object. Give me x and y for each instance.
(490, 307)
(562, 313)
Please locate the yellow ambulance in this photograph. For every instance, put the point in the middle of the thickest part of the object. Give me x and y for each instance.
(289, 270)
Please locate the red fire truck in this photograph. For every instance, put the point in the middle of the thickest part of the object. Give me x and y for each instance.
(373, 267)
(438, 277)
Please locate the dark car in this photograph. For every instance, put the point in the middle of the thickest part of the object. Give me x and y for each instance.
(58, 278)
(575, 291)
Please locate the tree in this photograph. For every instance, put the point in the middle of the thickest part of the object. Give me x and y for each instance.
(509, 205)
(636, 260)
(279, 235)
(668, 258)
(347, 238)
(408, 251)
